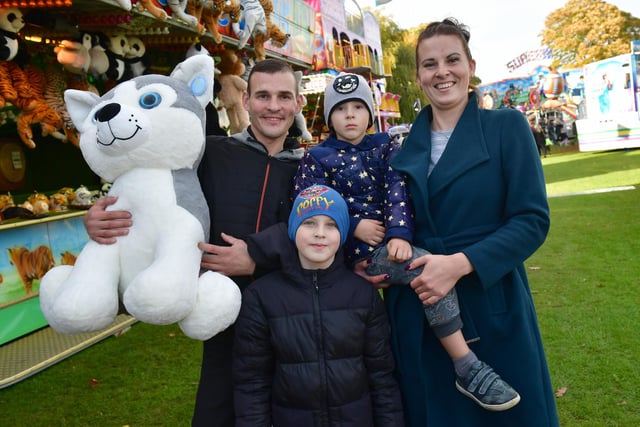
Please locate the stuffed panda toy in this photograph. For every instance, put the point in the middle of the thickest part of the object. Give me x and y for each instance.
(11, 22)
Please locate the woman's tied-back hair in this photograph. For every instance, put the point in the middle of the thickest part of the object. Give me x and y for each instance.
(446, 27)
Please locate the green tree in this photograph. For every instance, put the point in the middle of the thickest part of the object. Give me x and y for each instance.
(403, 82)
(399, 45)
(585, 31)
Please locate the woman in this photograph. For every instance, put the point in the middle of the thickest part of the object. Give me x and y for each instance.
(478, 190)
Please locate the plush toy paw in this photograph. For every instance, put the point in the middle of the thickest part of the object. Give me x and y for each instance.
(72, 306)
(216, 309)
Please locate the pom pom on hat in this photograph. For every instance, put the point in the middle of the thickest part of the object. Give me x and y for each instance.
(347, 87)
(319, 200)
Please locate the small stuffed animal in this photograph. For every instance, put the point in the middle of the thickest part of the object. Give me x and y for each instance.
(59, 202)
(178, 11)
(6, 201)
(74, 55)
(300, 121)
(136, 63)
(98, 54)
(129, 137)
(118, 48)
(231, 88)
(11, 22)
(150, 6)
(125, 4)
(39, 203)
(210, 11)
(255, 21)
(273, 32)
(14, 86)
(82, 197)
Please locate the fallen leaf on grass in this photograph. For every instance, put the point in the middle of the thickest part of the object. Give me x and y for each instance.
(93, 383)
(561, 391)
(534, 267)
(171, 335)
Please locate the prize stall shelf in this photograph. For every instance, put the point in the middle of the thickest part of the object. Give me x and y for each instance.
(27, 344)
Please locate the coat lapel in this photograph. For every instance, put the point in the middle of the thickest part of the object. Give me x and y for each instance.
(466, 149)
(413, 159)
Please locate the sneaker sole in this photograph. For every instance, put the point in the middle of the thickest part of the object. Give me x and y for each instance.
(500, 407)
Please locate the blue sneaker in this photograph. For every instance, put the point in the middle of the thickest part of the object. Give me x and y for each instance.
(487, 389)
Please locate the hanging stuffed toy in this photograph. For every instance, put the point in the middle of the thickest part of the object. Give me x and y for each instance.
(232, 86)
(74, 55)
(300, 122)
(129, 137)
(272, 32)
(14, 86)
(117, 49)
(255, 21)
(98, 54)
(210, 12)
(150, 6)
(179, 11)
(136, 62)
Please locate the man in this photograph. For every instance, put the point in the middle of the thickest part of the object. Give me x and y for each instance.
(246, 179)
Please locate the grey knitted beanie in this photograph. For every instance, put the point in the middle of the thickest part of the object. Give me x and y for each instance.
(347, 87)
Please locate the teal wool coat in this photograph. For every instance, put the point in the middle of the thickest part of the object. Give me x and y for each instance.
(486, 197)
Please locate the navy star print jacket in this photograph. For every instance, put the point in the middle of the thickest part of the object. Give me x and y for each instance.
(362, 175)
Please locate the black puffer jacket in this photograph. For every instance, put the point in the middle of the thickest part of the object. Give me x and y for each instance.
(312, 350)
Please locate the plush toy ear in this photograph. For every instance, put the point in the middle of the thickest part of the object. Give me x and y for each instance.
(197, 72)
(79, 104)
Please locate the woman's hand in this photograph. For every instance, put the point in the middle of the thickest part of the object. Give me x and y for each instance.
(370, 231)
(378, 281)
(105, 226)
(439, 276)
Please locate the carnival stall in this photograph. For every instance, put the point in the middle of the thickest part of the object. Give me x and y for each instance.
(49, 46)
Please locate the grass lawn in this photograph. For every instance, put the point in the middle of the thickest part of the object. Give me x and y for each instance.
(584, 280)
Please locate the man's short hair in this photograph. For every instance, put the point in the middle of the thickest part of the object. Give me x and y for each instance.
(271, 66)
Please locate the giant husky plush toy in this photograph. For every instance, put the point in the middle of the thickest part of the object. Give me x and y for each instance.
(146, 136)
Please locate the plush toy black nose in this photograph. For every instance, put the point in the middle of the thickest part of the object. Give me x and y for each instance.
(107, 112)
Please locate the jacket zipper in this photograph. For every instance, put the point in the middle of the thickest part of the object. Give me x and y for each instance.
(262, 196)
(324, 413)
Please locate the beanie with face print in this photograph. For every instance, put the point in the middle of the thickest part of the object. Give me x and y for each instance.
(319, 200)
(347, 87)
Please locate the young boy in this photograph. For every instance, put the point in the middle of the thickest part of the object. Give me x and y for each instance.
(357, 165)
(312, 339)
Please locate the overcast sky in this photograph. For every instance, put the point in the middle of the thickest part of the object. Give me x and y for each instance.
(500, 29)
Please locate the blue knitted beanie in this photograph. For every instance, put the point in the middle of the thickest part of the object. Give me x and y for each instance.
(319, 200)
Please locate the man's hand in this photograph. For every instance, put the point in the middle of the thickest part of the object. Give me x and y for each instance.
(105, 226)
(231, 260)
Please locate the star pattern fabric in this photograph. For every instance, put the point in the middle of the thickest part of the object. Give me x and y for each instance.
(362, 175)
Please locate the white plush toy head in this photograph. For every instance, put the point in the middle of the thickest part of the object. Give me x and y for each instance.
(127, 126)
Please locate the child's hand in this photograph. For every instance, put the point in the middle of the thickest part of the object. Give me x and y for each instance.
(399, 250)
(370, 231)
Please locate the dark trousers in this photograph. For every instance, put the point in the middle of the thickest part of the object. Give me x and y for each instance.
(214, 401)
